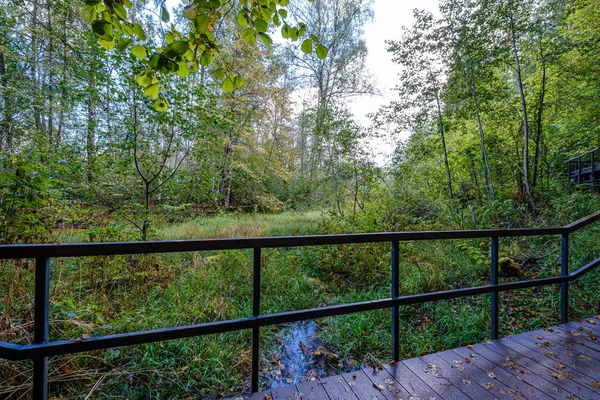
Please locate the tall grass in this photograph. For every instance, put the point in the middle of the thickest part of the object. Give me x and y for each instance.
(102, 295)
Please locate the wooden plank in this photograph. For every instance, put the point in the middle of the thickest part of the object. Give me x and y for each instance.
(503, 376)
(568, 372)
(475, 374)
(536, 375)
(286, 393)
(569, 331)
(337, 388)
(392, 388)
(563, 350)
(411, 382)
(584, 326)
(433, 379)
(591, 323)
(437, 365)
(312, 390)
(569, 341)
(362, 386)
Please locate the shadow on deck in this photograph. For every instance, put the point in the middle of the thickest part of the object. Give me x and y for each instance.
(561, 362)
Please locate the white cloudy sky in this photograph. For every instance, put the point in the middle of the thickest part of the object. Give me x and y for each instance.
(389, 17)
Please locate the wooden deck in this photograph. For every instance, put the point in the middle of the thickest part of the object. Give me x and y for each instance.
(561, 362)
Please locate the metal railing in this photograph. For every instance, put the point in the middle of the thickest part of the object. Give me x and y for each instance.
(42, 348)
(583, 166)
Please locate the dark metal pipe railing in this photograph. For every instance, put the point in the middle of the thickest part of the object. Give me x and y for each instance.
(578, 173)
(42, 348)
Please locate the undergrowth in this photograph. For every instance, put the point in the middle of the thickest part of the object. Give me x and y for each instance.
(94, 296)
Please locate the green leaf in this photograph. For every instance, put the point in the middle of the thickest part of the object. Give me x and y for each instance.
(239, 81)
(227, 85)
(177, 48)
(161, 105)
(123, 43)
(190, 12)
(154, 61)
(107, 44)
(241, 19)
(206, 59)
(200, 24)
(152, 91)
(265, 38)
(139, 32)
(139, 51)
(101, 27)
(322, 51)
(307, 46)
(285, 31)
(120, 11)
(144, 80)
(91, 3)
(164, 14)
(183, 70)
(219, 73)
(88, 14)
(283, 3)
(249, 35)
(283, 13)
(261, 25)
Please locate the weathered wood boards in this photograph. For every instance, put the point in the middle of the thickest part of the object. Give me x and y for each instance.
(562, 362)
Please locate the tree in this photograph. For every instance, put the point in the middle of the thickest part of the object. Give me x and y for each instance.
(115, 25)
(421, 54)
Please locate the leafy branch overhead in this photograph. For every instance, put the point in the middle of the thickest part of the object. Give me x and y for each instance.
(114, 24)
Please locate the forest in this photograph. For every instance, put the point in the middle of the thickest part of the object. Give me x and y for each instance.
(143, 120)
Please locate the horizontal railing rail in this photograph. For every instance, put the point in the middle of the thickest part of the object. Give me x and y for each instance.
(42, 348)
(583, 155)
(582, 169)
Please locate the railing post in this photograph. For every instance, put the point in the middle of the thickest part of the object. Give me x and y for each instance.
(494, 302)
(255, 313)
(579, 167)
(41, 326)
(564, 286)
(395, 294)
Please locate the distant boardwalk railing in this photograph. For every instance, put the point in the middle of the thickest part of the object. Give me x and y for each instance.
(583, 169)
(42, 348)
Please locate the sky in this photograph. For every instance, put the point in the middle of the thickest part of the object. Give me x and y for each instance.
(389, 17)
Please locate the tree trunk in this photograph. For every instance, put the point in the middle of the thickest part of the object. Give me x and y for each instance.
(487, 173)
(50, 66)
(6, 126)
(539, 122)
(63, 90)
(91, 124)
(441, 123)
(524, 111)
(33, 68)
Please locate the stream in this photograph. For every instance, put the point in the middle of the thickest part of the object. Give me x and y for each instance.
(301, 356)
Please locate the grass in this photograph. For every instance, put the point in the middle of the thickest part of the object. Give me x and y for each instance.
(243, 225)
(103, 295)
